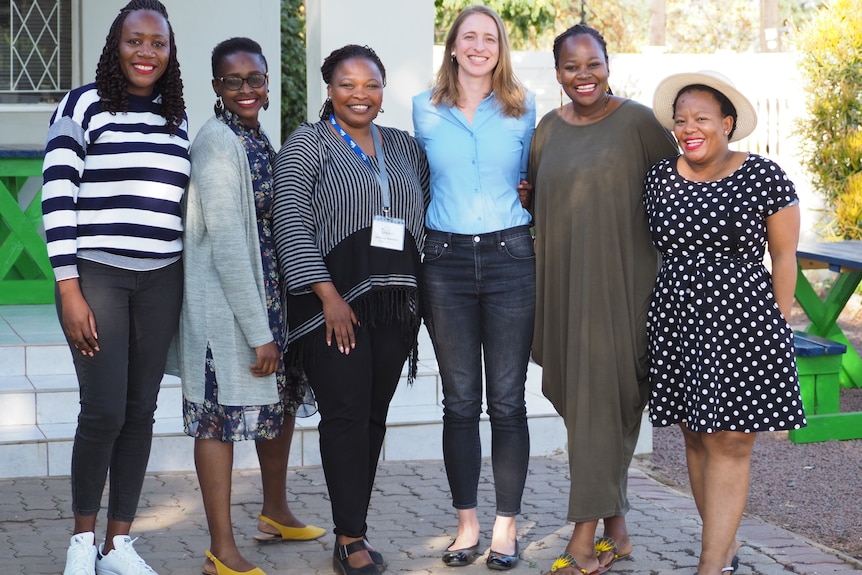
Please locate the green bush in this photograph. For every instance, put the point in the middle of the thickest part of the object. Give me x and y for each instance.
(831, 66)
(293, 92)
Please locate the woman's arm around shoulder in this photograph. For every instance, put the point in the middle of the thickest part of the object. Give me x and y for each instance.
(658, 142)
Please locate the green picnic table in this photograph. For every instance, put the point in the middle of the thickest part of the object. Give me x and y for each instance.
(25, 272)
(825, 368)
(845, 259)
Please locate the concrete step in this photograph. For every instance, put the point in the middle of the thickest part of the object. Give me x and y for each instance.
(39, 398)
(44, 447)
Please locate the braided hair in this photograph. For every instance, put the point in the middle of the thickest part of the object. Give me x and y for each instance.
(112, 84)
(337, 57)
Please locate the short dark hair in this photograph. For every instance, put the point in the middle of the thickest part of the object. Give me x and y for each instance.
(113, 86)
(231, 46)
(727, 107)
(338, 56)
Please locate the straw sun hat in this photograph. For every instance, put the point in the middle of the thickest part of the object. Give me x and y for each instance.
(667, 90)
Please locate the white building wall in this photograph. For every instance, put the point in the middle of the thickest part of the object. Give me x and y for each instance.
(402, 34)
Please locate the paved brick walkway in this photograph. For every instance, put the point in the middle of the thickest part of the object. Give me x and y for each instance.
(411, 522)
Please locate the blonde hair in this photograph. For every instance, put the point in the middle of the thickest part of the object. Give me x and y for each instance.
(508, 90)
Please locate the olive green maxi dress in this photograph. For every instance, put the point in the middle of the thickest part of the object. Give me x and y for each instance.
(595, 269)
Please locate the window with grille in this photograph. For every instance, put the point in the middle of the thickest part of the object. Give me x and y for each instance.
(35, 50)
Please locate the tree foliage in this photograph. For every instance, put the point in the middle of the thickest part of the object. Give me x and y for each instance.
(293, 83)
(831, 65)
(705, 26)
(693, 26)
(533, 24)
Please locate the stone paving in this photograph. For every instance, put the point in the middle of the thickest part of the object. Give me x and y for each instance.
(411, 521)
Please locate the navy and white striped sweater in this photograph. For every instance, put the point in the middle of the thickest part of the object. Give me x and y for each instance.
(113, 184)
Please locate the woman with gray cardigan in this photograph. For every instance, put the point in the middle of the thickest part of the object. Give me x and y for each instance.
(232, 328)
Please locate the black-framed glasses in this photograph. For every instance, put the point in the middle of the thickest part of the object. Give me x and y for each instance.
(234, 83)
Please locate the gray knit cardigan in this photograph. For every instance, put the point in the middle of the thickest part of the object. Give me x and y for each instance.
(224, 303)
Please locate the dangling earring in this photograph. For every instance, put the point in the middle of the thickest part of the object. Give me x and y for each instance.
(452, 55)
(219, 105)
(266, 104)
(561, 97)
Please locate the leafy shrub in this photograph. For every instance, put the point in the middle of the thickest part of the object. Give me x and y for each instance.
(293, 92)
(831, 66)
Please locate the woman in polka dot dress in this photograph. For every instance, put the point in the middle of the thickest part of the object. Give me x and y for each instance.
(721, 351)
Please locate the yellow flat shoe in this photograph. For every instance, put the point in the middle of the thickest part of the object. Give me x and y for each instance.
(222, 569)
(286, 533)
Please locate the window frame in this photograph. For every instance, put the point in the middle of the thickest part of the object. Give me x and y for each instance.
(65, 80)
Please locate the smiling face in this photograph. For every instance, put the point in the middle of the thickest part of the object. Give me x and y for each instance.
(700, 127)
(477, 46)
(247, 101)
(145, 50)
(583, 71)
(356, 91)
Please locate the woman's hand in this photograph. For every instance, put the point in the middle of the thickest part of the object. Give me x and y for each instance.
(525, 193)
(79, 323)
(268, 357)
(339, 317)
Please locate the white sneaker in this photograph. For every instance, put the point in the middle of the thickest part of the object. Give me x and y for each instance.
(122, 559)
(81, 556)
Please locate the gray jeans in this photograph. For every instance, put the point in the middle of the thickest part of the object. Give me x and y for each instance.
(136, 318)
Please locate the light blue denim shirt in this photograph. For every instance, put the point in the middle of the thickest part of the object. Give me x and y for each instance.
(475, 168)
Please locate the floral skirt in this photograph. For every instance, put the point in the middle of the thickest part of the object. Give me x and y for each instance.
(229, 423)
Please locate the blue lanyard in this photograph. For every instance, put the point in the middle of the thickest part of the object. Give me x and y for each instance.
(350, 141)
(382, 176)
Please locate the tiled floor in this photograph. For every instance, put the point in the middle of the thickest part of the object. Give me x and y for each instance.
(29, 324)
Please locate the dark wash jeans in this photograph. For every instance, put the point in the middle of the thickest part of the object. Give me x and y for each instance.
(136, 317)
(480, 300)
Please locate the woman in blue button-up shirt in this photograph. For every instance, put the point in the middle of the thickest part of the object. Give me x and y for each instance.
(476, 124)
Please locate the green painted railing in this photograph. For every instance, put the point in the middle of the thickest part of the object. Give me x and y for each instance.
(25, 272)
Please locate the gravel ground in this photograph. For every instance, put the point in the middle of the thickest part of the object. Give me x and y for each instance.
(812, 489)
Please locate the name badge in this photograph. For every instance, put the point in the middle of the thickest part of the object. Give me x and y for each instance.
(387, 233)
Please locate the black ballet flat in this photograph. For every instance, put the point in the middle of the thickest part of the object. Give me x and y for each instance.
(500, 562)
(461, 557)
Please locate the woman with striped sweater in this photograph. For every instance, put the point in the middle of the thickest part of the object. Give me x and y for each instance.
(116, 165)
(348, 221)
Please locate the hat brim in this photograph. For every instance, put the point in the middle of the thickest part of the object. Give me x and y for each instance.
(667, 90)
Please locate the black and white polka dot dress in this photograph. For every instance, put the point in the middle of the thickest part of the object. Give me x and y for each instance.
(721, 353)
